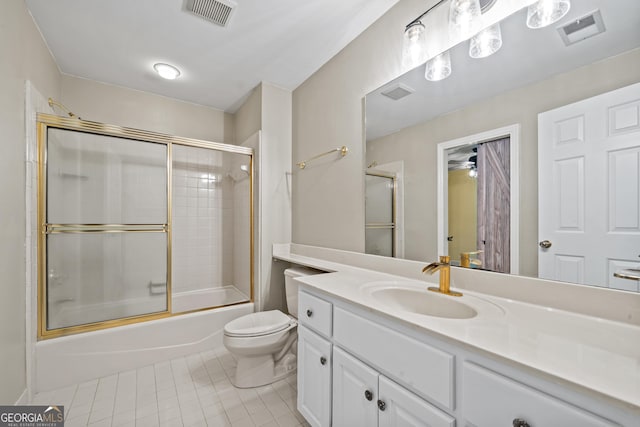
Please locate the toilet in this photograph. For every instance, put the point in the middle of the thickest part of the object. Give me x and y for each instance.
(264, 343)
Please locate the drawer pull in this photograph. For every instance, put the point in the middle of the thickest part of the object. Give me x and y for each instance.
(381, 405)
(519, 422)
(323, 360)
(368, 395)
(309, 313)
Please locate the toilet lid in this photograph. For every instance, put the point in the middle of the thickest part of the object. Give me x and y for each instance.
(261, 323)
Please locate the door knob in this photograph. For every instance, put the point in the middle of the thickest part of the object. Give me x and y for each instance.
(309, 313)
(323, 360)
(381, 405)
(368, 395)
(545, 244)
(519, 422)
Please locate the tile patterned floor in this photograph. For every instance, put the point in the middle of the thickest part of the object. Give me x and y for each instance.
(190, 391)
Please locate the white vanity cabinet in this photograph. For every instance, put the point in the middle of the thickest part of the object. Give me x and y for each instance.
(357, 367)
(364, 398)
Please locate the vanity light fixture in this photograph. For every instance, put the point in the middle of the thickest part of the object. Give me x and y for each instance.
(486, 42)
(546, 12)
(166, 71)
(464, 21)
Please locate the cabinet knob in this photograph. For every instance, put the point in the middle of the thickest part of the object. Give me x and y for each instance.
(519, 422)
(309, 312)
(381, 405)
(368, 395)
(323, 360)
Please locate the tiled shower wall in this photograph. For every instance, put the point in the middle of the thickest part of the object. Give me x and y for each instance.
(205, 184)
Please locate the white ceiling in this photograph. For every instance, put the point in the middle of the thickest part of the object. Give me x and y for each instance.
(282, 42)
(526, 56)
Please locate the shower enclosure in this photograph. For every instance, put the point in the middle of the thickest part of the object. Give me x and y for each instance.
(136, 225)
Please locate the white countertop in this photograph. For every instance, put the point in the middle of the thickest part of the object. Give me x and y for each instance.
(597, 354)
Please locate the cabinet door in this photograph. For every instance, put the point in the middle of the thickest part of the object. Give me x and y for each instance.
(355, 392)
(493, 400)
(314, 378)
(399, 407)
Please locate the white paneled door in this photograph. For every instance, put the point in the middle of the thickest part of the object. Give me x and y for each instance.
(589, 189)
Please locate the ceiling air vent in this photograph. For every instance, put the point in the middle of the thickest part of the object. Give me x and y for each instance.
(216, 11)
(397, 91)
(582, 28)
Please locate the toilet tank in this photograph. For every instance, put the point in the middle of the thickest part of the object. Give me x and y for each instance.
(291, 286)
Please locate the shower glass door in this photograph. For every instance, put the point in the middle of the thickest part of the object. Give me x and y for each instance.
(105, 227)
(380, 217)
(211, 228)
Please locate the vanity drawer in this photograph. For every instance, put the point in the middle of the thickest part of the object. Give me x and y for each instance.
(490, 399)
(422, 368)
(314, 313)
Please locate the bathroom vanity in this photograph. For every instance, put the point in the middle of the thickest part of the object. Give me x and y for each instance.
(378, 349)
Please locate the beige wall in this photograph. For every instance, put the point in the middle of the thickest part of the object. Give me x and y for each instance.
(276, 194)
(328, 196)
(417, 145)
(117, 105)
(248, 118)
(268, 109)
(24, 57)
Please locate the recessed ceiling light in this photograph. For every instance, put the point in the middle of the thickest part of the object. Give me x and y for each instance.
(166, 71)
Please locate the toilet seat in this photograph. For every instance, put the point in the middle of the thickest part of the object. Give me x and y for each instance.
(259, 324)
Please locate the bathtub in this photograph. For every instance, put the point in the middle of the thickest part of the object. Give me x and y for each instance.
(211, 297)
(73, 359)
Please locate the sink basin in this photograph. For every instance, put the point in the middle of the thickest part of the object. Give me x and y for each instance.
(421, 301)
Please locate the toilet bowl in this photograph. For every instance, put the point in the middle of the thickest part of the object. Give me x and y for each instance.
(264, 343)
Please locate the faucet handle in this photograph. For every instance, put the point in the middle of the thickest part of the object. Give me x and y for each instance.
(444, 259)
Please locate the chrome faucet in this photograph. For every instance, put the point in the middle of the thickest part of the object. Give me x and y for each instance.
(444, 267)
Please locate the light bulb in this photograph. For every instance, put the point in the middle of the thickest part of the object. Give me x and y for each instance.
(413, 49)
(439, 67)
(473, 173)
(486, 42)
(546, 12)
(166, 71)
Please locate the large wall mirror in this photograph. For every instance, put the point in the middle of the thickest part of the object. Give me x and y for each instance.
(437, 138)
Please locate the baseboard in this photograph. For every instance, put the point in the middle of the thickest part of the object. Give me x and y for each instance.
(24, 398)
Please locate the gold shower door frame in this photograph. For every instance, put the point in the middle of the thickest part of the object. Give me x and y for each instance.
(46, 121)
